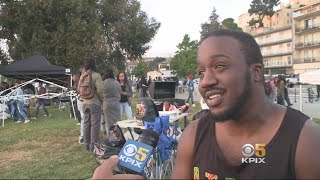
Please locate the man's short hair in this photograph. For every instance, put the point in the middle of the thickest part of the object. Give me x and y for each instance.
(249, 46)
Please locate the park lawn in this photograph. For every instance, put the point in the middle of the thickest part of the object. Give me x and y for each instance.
(46, 148)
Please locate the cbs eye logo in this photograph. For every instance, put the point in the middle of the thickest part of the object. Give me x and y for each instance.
(248, 150)
(132, 150)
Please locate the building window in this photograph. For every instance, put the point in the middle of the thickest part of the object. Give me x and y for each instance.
(288, 44)
(287, 14)
(307, 23)
(314, 22)
(289, 60)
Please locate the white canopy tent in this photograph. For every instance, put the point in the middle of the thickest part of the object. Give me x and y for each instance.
(5, 98)
(311, 77)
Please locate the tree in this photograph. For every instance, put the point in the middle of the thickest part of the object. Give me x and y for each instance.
(68, 32)
(140, 69)
(229, 23)
(212, 25)
(261, 8)
(153, 65)
(185, 60)
(3, 57)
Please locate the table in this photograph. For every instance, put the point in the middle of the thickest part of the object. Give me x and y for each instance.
(133, 124)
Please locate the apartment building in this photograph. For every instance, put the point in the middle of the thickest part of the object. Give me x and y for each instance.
(275, 41)
(276, 49)
(306, 38)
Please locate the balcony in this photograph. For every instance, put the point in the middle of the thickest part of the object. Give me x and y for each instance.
(306, 45)
(305, 30)
(307, 59)
(313, 12)
(276, 53)
(275, 42)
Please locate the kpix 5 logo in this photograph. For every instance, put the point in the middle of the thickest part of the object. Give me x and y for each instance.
(133, 155)
(248, 150)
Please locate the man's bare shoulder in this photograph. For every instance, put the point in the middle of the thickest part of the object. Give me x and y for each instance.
(183, 164)
(307, 161)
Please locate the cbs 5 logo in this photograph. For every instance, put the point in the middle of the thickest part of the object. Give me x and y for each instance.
(139, 154)
(259, 150)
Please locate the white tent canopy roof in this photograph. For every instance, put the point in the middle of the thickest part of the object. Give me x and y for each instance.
(311, 77)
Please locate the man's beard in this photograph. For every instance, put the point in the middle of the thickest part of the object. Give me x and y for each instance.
(233, 111)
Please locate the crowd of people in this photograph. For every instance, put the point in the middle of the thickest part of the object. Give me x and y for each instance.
(110, 103)
(19, 106)
(277, 90)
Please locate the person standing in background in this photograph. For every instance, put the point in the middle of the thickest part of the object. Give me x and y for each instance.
(190, 89)
(143, 84)
(92, 106)
(19, 93)
(41, 102)
(280, 90)
(111, 100)
(126, 93)
(79, 104)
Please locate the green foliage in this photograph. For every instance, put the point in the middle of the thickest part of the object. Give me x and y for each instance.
(68, 32)
(140, 69)
(153, 65)
(3, 57)
(185, 60)
(212, 25)
(261, 8)
(229, 23)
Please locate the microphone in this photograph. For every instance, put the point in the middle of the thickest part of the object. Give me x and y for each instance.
(138, 157)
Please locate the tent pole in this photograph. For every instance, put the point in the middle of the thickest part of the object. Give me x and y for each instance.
(70, 80)
(301, 106)
(71, 98)
(74, 112)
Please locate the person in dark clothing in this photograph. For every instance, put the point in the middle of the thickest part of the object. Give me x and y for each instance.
(286, 94)
(143, 84)
(245, 136)
(318, 91)
(75, 81)
(41, 102)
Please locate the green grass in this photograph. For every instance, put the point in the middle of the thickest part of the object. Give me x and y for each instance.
(316, 120)
(46, 148)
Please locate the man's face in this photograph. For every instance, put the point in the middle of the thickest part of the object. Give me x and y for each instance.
(225, 79)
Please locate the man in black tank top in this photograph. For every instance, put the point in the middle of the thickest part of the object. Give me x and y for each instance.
(245, 136)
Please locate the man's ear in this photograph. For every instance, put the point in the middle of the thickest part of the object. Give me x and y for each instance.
(257, 71)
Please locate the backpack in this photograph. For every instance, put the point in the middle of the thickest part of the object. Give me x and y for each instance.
(267, 88)
(146, 110)
(112, 145)
(86, 87)
(190, 85)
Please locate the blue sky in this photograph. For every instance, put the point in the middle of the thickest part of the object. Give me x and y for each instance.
(179, 17)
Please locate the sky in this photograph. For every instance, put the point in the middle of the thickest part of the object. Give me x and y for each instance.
(180, 17)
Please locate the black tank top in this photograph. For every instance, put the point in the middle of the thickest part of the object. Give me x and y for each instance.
(209, 163)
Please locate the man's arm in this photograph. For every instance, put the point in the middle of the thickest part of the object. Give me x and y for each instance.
(99, 87)
(183, 164)
(307, 162)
